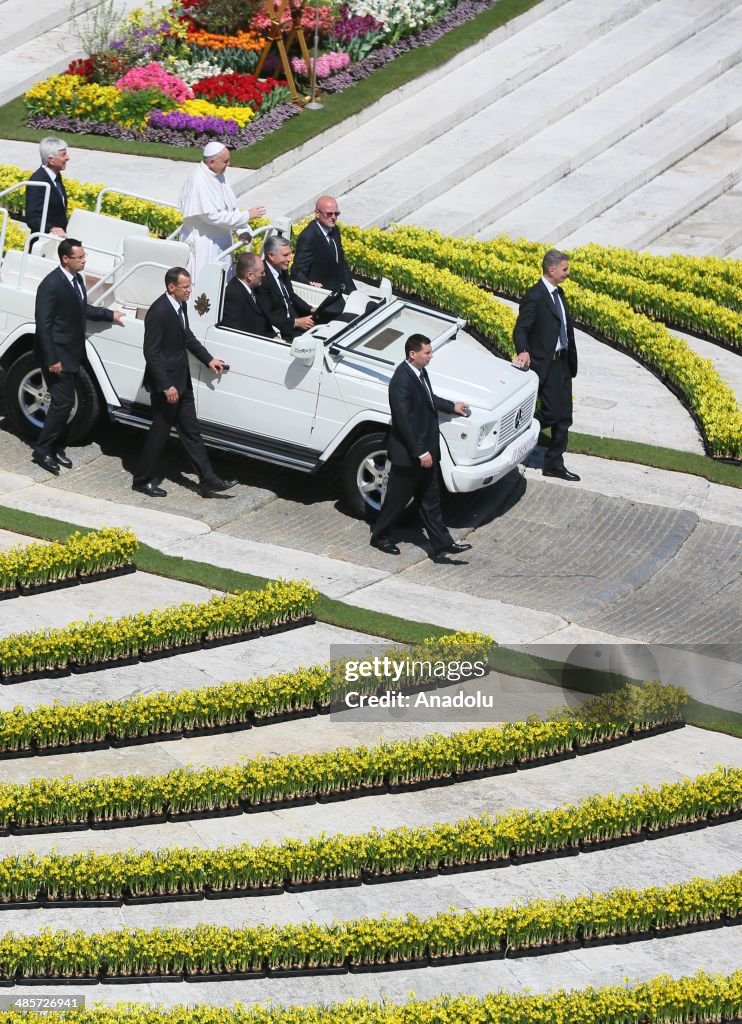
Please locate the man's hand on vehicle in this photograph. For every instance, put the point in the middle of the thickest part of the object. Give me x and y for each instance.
(304, 322)
(217, 365)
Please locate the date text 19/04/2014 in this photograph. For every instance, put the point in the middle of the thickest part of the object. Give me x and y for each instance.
(42, 1004)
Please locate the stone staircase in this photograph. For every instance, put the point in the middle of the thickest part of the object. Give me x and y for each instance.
(614, 122)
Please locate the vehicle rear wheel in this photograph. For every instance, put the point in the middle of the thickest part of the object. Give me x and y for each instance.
(26, 399)
(365, 474)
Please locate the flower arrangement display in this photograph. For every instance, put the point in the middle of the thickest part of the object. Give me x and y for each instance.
(661, 1000)
(278, 604)
(390, 854)
(154, 76)
(326, 64)
(213, 707)
(82, 555)
(262, 783)
(205, 950)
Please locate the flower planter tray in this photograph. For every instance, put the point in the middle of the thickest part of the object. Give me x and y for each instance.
(722, 819)
(304, 972)
(13, 755)
(57, 979)
(617, 940)
(170, 652)
(657, 730)
(417, 785)
(589, 748)
(536, 762)
(352, 794)
(138, 741)
(67, 902)
(30, 589)
(547, 949)
(150, 819)
(478, 865)
(687, 929)
(108, 574)
(20, 904)
(284, 627)
(213, 730)
(611, 844)
(277, 805)
(371, 878)
(323, 884)
(7, 982)
(466, 958)
(484, 773)
(35, 830)
(282, 716)
(30, 677)
(164, 897)
(233, 638)
(530, 858)
(674, 830)
(138, 979)
(732, 922)
(7, 595)
(217, 812)
(72, 748)
(253, 890)
(396, 965)
(225, 976)
(106, 663)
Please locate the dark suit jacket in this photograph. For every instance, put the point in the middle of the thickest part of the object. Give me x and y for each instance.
(56, 214)
(273, 305)
(243, 313)
(537, 330)
(315, 260)
(60, 321)
(166, 348)
(414, 420)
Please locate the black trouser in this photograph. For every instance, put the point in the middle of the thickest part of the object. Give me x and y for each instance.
(406, 482)
(62, 390)
(556, 410)
(165, 416)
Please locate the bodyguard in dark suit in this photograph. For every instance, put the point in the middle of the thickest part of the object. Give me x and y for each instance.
(54, 158)
(241, 308)
(414, 451)
(286, 310)
(545, 340)
(61, 311)
(167, 341)
(319, 258)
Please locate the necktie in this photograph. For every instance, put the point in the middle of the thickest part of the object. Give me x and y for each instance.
(78, 289)
(562, 343)
(181, 316)
(60, 186)
(286, 297)
(426, 385)
(331, 241)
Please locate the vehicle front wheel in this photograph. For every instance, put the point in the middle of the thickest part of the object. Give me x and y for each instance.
(365, 474)
(26, 399)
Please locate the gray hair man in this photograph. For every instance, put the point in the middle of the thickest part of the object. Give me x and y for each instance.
(54, 158)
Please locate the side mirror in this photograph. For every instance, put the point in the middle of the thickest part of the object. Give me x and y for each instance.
(304, 349)
(385, 289)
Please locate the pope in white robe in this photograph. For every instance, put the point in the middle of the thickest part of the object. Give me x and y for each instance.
(211, 216)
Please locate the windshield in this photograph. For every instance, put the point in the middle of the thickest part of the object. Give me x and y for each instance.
(386, 339)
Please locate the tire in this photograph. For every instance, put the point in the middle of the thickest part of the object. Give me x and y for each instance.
(365, 472)
(26, 400)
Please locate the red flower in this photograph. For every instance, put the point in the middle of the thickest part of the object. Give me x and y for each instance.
(235, 88)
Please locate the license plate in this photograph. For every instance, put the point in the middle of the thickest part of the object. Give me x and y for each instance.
(521, 452)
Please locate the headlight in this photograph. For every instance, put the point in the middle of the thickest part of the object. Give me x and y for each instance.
(487, 434)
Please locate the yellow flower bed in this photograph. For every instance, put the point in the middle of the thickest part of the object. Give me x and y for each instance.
(203, 108)
(81, 554)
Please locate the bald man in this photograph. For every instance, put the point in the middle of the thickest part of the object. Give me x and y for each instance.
(319, 258)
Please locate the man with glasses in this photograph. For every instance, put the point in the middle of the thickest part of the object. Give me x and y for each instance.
(61, 312)
(319, 258)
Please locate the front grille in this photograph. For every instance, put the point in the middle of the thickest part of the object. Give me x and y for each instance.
(508, 429)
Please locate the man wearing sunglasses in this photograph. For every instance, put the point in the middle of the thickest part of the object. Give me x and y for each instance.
(319, 258)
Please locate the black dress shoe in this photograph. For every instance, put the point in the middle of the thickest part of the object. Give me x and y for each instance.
(385, 545)
(455, 549)
(47, 462)
(562, 473)
(150, 489)
(215, 486)
(62, 459)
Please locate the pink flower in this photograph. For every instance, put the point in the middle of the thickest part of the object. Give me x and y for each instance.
(154, 76)
(326, 64)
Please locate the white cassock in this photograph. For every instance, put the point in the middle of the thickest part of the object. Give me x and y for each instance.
(210, 217)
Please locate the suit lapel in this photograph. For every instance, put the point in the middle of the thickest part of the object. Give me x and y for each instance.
(549, 301)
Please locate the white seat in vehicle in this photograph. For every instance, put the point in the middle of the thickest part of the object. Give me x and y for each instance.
(35, 269)
(142, 286)
(97, 231)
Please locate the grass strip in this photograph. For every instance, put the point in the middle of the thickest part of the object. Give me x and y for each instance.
(309, 124)
(381, 624)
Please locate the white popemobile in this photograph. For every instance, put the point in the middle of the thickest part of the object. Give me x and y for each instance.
(321, 399)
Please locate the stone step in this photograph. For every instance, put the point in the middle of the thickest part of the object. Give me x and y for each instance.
(712, 230)
(23, 25)
(450, 95)
(678, 98)
(650, 211)
(511, 120)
